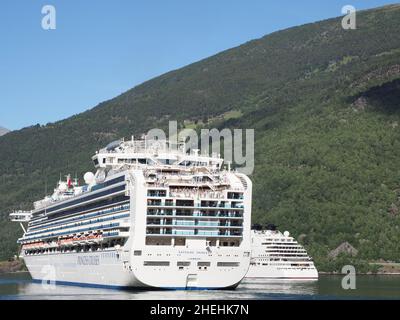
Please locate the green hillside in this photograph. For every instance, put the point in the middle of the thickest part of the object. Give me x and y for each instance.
(325, 106)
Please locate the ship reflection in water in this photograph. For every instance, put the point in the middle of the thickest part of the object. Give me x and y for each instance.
(279, 287)
(19, 286)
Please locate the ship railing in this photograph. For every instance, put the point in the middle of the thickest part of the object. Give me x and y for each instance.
(153, 224)
(215, 214)
(195, 206)
(201, 195)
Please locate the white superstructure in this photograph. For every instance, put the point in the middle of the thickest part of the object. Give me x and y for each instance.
(279, 256)
(153, 216)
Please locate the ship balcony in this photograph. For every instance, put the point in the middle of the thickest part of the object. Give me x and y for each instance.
(152, 222)
(200, 215)
(195, 207)
(162, 193)
(235, 195)
(183, 225)
(204, 195)
(160, 204)
(193, 233)
(160, 212)
(154, 206)
(218, 215)
(191, 215)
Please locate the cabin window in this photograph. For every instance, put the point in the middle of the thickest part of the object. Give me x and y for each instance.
(156, 263)
(228, 264)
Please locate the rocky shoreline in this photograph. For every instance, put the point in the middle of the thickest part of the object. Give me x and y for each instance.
(12, 266)
(380, 273)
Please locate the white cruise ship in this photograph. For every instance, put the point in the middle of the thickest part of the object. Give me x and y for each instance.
(153, 216)
(278, 256)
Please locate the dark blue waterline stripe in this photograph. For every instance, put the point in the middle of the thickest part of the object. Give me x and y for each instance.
(83, 285)
(113, 287)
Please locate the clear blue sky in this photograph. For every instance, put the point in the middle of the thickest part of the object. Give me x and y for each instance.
(103, 48)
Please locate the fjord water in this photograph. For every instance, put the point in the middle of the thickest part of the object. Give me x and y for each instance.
(20, 286)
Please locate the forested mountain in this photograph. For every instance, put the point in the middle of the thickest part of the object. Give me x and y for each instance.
(325, 106)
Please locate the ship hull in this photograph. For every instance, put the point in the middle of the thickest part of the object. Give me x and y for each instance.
(275, 273)
(109, 270)
(83, 269)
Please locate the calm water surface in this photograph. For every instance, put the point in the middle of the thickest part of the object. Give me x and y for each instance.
(19, 286)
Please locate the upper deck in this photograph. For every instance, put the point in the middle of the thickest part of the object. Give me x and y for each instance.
(154, 153)
(142, 154)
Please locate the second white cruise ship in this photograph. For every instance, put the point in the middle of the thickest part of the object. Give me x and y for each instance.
(153, 216)
(278, 256)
